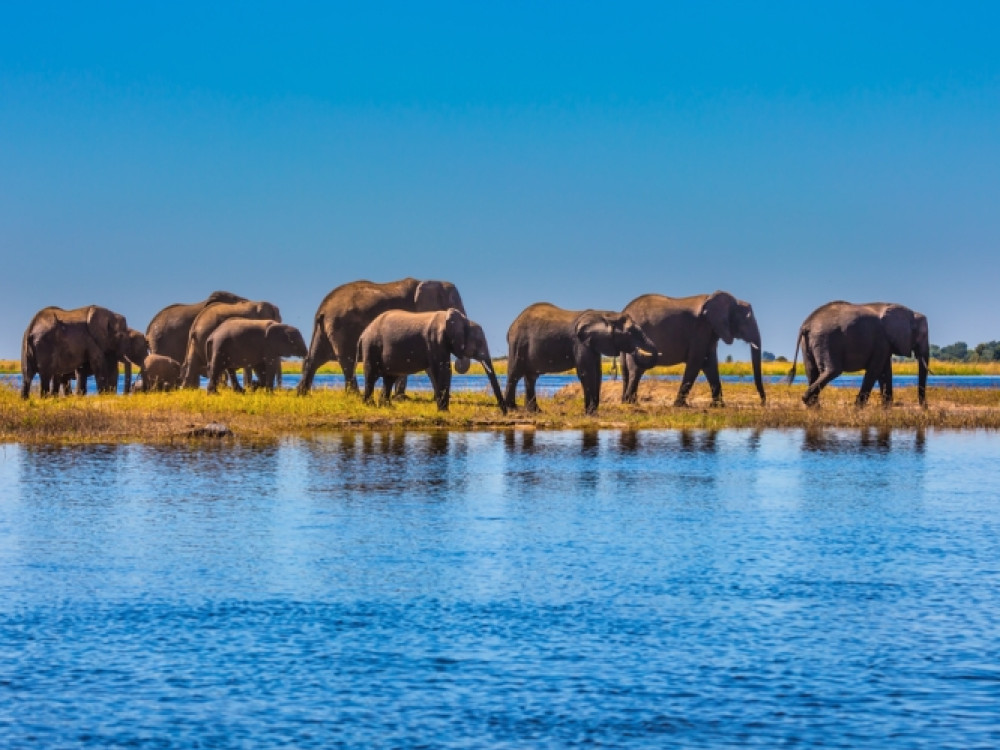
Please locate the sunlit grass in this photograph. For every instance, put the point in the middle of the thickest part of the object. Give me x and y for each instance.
(159, 417)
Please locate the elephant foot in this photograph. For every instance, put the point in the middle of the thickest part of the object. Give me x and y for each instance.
(718, 403)
(680, 403)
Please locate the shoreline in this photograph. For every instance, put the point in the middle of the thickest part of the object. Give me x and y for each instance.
(174, 417)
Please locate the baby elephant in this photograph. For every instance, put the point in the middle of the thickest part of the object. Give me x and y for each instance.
(160, 373)
(258, 344)
(399, 343)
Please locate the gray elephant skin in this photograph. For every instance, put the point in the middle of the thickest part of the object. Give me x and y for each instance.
(195, 358)
(346, 311)
(160, 373)
(168, 331)
(107, 330)
(132, 351)
(545, 339)
(845, 337)
(399, 343)
(257, 344)
(687, 330)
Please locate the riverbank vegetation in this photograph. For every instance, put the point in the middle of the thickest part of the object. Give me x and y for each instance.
(169, 417)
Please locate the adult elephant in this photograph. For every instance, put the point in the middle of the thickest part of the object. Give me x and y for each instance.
(168, 331)
(195, 358)
(687, 330)
(845, 337)
(346, 311)
(107, 330)
(257, 344)
(545, 338)
(400, 343)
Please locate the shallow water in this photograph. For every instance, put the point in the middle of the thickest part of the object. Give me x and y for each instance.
(549, 385)
(559, 589)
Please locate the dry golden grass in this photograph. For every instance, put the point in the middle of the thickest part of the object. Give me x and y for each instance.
(170, 417)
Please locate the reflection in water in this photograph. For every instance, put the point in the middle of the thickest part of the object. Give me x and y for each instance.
(867, 439)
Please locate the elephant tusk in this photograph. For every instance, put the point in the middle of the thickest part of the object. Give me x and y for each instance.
(754, 346)
(926, 366)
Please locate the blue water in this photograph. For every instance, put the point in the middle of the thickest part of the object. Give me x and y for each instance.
(504, 589)
(548, 385)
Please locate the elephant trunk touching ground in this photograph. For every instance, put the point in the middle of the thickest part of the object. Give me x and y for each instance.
(758, 380)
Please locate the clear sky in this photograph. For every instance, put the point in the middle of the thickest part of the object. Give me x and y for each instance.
(579, 153)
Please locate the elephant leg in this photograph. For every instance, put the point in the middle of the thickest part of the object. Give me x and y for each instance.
(626, 373)
(810, 365)
(867, 383)
(711, 370)
(400, 389)
(691, 370)
(510, 387)
(811, 397)
(26, 377)
(530, 399)
(885, 384)
(388, 381)
(590, 380)
(440, 375)
(235, 379)
(320, 352)
(371, 376)
(348, 365)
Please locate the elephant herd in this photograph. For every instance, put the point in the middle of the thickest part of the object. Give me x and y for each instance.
(400, 328)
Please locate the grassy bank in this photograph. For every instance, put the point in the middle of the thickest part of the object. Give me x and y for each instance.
(13, 366)
(172, 416)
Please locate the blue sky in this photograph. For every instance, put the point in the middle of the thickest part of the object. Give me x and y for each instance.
(578, 153)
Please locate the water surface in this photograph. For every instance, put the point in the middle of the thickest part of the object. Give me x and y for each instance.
(510, 589)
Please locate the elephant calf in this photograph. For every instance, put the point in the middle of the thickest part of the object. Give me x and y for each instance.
(160, 373)
(844, 337)
(399, 343)
(257, 344)
(545, 338)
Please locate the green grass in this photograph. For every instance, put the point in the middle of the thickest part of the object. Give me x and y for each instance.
(168, 417)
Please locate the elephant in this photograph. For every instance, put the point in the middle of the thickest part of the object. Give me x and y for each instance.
(844, 337)
(106, 329)
(688, 329)
(257, 344)
(545, 338)
(399, 343)
(56, 351)
(168, 331)
(346, 311)
(160, 373)
(196, 359)
(133, 349)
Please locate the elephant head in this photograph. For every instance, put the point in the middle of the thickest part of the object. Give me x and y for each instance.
(285, 340)
(431, 296)
(267, 311)
(136, 348)
(908, 336)
(732, 319)
(611, 334)
(467, 340)
(108, 329)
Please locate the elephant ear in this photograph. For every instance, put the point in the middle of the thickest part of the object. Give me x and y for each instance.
(898, 323)
(429, 297)
(101, 327)
(597, 333)
(718, 311)
(456, 332)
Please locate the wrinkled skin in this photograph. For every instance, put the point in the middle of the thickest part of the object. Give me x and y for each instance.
(107, 330)
(845, 337)
(169, 329)
(258, 344)
(196, 358)
(545, 339)
(399, 343)
(346, 311)
(687, 330)
(133, 349)
(160, 373)
(58, 350)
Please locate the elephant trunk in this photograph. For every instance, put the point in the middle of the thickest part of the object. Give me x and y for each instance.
(758, 380)
(488, 366)
(922, 372)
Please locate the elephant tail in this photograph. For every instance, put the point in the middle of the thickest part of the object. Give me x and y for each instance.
(358, 354)
(795, 358)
